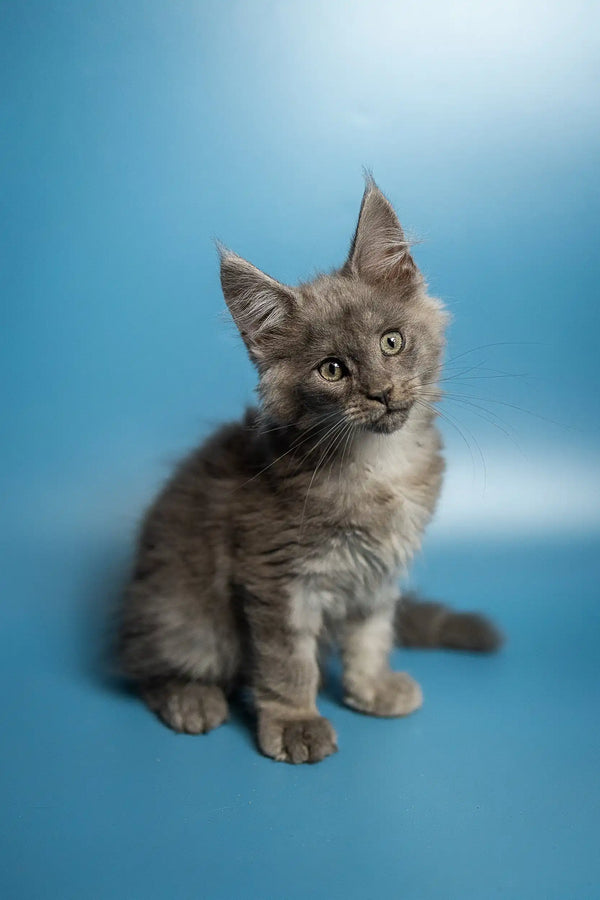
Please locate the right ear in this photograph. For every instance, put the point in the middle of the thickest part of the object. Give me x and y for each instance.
(257, 303)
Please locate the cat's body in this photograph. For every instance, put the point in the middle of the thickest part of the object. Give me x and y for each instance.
(293, 526)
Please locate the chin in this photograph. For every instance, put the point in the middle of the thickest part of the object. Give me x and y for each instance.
(389, 422)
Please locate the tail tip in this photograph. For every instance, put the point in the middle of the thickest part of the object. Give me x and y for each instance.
(471, 631)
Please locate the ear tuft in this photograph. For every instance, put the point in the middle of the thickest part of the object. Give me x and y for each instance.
(379, 250)
(257, 302)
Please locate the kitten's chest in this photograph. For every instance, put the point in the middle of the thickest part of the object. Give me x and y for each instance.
(377, 513)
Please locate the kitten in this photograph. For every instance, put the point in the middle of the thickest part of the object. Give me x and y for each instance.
(294, 524)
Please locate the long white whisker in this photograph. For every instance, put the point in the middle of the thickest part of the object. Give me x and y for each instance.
(305, 436)
(321, 439)
(322, 459)
(451, 421)
(489, 346)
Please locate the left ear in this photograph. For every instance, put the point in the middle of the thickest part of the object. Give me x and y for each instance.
(379, 250)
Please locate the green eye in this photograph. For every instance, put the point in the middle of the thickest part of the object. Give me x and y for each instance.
(331, 370)
(391, 343)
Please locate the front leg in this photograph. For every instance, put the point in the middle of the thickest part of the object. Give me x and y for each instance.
(285, 681)
(370, 685)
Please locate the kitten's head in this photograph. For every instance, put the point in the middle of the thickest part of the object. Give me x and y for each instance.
(355, 345)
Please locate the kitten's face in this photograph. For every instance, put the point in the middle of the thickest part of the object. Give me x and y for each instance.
(355, 346)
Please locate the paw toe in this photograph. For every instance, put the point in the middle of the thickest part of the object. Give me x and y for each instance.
(298, 740)
(190, 708)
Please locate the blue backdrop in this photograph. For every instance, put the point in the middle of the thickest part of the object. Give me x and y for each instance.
(134, 133)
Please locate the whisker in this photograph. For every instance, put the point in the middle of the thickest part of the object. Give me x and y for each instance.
(467, 401)
(491, 418)
(340, 437)
(324, 455)
(320, 421)
(493, 373)
(509, 405)
(451, 421)
(320, 441)
(349, 440)
(458, 377)
(305, 436)
(494, 344)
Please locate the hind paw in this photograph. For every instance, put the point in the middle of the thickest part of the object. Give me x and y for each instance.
(395, 694)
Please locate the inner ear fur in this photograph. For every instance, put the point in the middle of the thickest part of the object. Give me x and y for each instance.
(379, 250)
(257, 302)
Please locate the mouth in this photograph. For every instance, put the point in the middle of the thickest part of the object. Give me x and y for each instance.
(391, 420)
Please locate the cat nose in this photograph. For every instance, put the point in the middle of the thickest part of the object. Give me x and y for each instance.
(381, 396)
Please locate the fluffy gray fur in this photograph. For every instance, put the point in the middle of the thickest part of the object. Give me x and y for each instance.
(293, 526)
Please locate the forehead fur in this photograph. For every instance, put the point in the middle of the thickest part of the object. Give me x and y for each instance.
(338, 314)
(378, 289)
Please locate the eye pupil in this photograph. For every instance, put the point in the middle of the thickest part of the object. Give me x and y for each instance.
(331, 370)
(391, 343)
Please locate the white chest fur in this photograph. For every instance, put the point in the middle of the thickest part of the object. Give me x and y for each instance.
(384, 501)
(389, 484)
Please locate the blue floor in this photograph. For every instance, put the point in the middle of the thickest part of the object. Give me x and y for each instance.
(491, 790)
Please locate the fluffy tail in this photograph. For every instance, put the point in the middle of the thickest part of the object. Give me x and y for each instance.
(421, 623)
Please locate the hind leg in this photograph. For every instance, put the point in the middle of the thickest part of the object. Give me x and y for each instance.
(183, 650)
(186, 706)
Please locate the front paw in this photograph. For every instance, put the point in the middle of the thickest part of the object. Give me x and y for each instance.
(394, 694)
(309, 739)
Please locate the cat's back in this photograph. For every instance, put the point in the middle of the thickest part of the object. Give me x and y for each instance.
(200, 489)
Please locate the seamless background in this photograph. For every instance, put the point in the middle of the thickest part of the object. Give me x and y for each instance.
(133, 135)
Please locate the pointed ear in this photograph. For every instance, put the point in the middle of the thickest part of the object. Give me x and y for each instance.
(257, 303)
(379, 250)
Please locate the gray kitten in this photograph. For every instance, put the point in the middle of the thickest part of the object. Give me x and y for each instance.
(291, 527)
